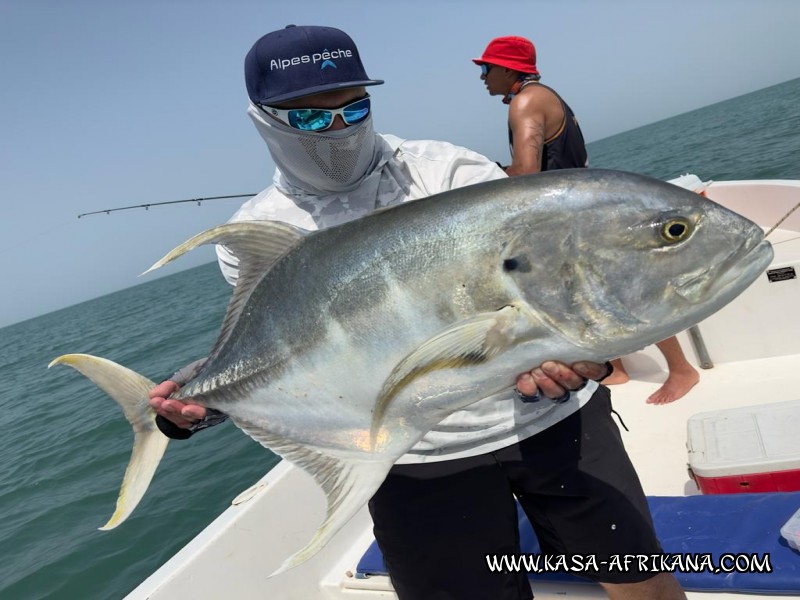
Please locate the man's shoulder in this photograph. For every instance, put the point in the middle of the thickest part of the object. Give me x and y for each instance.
(433, 166)
(536, 100)
(537, 95)
(435, 150)
(273, 205)
(256, 204)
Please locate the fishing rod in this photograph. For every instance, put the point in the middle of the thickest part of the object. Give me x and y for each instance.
(199, 201)
(786, 216)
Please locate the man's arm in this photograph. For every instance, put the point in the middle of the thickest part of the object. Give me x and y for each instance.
(528, 123)
(535, 115)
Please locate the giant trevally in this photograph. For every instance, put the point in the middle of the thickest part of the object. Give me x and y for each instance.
(342, 348)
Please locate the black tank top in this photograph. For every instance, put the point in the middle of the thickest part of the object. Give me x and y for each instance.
(564, 150)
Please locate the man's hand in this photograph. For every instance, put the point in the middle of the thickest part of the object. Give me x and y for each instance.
(180, 413)
(554, 379)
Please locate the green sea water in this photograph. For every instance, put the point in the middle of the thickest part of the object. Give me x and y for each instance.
(64, 445)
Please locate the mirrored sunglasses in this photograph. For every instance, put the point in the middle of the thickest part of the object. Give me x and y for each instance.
(485, 68)
(320, 119)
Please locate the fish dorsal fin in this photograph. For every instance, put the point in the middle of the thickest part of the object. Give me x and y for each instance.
(257, 244)
(472, 341)
(347, 484)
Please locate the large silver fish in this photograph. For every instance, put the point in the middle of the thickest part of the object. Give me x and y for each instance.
(342, 348)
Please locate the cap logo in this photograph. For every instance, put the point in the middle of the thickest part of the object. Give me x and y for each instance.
(328, 62)
(325, 57)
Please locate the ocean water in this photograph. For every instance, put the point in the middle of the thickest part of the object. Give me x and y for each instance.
(755, 136)
(64, 444)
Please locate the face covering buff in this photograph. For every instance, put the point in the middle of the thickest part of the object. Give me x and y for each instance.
(320, 163)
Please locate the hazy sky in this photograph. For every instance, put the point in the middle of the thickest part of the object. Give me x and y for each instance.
(110, 104)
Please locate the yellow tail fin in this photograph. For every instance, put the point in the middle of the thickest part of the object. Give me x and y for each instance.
(129, 390)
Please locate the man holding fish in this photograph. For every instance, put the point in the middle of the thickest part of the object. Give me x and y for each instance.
(449, 501)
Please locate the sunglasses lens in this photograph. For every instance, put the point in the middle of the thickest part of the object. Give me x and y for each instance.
(356, 112)
(485, 69)
(319, 119)
(309, 119)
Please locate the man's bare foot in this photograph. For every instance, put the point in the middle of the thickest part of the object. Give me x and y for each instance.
(677, 385)
(618, 375)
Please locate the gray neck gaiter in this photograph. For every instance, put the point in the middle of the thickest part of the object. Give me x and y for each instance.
(320, 163)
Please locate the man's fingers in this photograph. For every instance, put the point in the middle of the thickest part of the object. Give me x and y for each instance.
(526, 385)
(592, 370)
(555, 380)
(546, 384)
(193, 412)
(563, 375)
(181, 414)
(163, 389)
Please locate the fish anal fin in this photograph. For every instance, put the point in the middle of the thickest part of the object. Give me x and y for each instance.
(472, 341)
(347, 485)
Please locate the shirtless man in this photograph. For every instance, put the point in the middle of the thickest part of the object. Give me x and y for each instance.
(544, 135)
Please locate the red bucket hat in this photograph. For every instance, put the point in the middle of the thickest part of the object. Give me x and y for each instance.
(512, 52)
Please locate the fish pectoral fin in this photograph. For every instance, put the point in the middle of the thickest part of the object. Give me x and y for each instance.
(129, 390)
(348, 485)
(473, 341)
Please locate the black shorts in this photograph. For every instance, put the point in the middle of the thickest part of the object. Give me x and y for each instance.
(436, 522)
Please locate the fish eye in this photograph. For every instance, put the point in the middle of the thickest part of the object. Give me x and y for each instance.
(676, 230)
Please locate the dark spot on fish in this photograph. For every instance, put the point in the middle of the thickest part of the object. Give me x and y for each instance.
(517, 263)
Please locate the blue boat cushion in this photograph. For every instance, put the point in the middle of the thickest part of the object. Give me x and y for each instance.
(716, 525)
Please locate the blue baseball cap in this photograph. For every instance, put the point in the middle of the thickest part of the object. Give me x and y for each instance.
(300, 61)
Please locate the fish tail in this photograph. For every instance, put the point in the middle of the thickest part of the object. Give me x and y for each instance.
(130, 391)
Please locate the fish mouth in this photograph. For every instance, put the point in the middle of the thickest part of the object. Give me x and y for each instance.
(752, 258)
